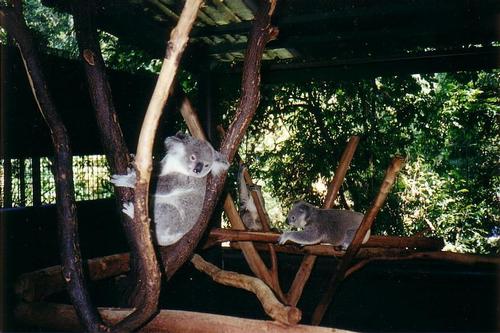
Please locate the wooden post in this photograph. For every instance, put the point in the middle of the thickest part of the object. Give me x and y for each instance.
(7, 182)
(111, 136)
(352, 250)
(37, 181)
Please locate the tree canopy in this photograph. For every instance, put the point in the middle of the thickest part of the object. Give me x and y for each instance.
(446, 125)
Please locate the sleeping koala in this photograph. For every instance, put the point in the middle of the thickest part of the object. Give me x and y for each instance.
(333, 226)
(248, 211)
(178, 190)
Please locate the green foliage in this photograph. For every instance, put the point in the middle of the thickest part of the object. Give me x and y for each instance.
(445, 124)
(51, 29)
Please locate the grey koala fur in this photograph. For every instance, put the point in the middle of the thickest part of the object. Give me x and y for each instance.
(178, 190)
(334, 226)
(248, 211)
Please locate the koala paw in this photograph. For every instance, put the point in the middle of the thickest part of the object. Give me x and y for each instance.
(283, 238)
(128, 209)
(127, 180)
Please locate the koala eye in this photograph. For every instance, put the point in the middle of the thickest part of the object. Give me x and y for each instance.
(206, 165)
(293, 217)
(192, 157)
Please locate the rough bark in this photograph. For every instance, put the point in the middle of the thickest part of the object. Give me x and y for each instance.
(176, 255)
(13, 21)
(110, 132)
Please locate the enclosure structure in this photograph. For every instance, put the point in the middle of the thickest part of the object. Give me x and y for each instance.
(296, 41)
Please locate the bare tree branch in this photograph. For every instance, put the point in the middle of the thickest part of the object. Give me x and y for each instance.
(276, 310)
(107, 120)
(13, 21)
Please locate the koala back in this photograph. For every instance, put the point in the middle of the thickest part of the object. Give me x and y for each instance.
(177, 203)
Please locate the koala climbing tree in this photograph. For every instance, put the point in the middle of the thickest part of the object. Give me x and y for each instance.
(179, 185)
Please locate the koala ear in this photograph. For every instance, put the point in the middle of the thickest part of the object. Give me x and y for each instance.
(220, 163)
(305, 208)
(171, 141)
(179, 137)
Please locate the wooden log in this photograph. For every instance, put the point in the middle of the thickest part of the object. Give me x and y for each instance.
(36, 286)
(414, 242)
(60, 317)
(352, 250)
(324, 250)
(383, 253)
(276, 310)
(11, 18)
(175, 256)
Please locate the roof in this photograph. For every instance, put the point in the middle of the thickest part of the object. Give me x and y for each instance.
(385, 35)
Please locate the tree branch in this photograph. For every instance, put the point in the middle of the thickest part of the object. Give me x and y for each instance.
(13, 21)
(148, 268)
(107, 120)
(276, 310)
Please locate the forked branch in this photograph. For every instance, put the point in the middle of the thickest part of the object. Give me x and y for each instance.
(148, 268)
(177, 254)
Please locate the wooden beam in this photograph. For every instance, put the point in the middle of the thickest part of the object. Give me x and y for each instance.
(376, 241)
(368, 67)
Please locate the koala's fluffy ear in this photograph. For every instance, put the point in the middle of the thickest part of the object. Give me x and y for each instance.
(305, 208)
(220, 163)
(171, 141)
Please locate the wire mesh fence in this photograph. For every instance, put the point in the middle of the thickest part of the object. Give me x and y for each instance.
(30, 181)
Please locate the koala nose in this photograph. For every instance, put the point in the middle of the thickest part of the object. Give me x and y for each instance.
(198, 167)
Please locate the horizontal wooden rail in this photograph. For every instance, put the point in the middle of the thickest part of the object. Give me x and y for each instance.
(218, 235)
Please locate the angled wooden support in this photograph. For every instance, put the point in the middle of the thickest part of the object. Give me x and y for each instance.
(264, 219)
(352, 250)
(307, 264)
(252, 257)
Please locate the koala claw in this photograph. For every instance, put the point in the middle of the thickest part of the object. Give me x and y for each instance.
(127, 180)
(283, 238)
(128, 209)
